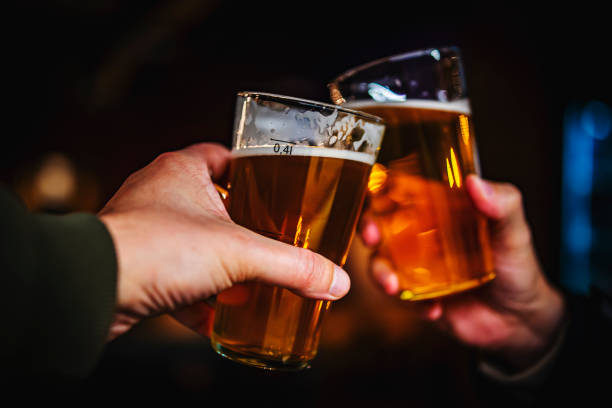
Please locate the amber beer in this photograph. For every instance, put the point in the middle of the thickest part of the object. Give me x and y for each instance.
(309, 197)
(431, 233)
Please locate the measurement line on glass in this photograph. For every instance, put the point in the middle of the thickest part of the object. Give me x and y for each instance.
(284, 141)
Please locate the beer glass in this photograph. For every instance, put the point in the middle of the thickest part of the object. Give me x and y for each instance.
(430, 232)
(298, 174)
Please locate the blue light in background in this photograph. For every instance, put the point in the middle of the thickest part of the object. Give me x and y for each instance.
(579, 234)
(583, 126)
(596, 120)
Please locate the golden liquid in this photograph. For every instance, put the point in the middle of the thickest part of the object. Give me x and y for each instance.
(431, 232)
(307, 201)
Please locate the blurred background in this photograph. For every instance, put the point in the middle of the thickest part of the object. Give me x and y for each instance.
(96, 90)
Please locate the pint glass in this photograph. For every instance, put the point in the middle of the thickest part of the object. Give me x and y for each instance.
(298, 174)
(430, 232)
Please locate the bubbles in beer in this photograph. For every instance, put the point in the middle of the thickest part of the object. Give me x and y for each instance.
(431, 233)
(310, 201)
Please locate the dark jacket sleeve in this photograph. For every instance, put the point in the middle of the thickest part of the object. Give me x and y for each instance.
(580, 374)
(58, 277)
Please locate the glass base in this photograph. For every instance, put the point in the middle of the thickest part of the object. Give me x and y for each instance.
(258, 361)
(449, 290)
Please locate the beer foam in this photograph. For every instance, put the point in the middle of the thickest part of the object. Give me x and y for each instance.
(313, 151)
(458, 106)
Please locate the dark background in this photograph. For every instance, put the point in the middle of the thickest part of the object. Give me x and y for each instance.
(111, 84)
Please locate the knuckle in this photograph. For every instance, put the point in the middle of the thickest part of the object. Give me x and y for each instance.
(232, 241)
(514, 195)
(311, 271)
(524, 238)
(166, 158)
(215, 148)
(243, 242)
(169, 161)
(521, 238)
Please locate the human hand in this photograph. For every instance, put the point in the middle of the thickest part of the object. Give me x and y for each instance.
(176, 244)
(516, 316)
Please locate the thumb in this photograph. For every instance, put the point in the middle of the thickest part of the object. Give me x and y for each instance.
(300, 270)
(502, 204)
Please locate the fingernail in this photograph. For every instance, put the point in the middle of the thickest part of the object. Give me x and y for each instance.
(486, 187)
(391, 284)
(340, 284)
(371, 235)
(385, 276)
(435, 312)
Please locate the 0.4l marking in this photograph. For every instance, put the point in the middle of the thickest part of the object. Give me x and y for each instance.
(280, 149)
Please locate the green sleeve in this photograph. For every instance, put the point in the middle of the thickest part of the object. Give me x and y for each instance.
(59, 278)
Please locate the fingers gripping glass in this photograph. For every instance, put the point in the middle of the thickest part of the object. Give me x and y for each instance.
(431, 234)
(298, 174)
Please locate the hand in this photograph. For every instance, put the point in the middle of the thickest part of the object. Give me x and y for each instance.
(176, 245)
(517, 315)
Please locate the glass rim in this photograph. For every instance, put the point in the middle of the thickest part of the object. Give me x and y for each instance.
(310, 103)
(392, 58)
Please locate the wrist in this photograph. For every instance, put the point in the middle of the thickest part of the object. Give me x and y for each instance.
(124, 317)
(538, 327)
(533, 375)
